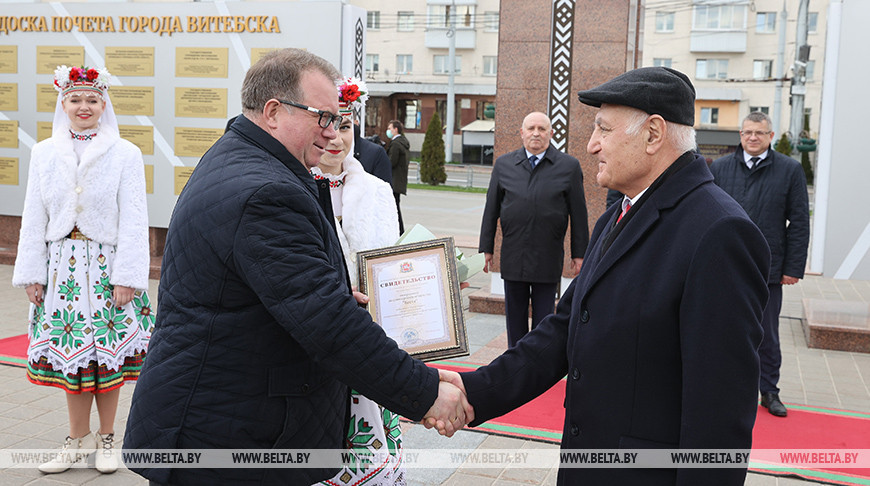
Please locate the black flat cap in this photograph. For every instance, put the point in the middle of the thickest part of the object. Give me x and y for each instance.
(655, 90)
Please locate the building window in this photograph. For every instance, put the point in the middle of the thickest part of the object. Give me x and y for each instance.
(765, 23)
(813, 23)
(664, 21)
(719, 17)
(485, 110)
(763, 109)
(709, 116)
(406, 21)
(373, 115)
(491, 19)
(810, 70)
(373, 19)
(490, 65)
(409, 113)
(662, 62)
(711, 69)
(404, 63)
(439, 16)
(441, 108)
(762, 69)
(372, 63)
(441, 63)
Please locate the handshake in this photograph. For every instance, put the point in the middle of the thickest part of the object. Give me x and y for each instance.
(451, 410)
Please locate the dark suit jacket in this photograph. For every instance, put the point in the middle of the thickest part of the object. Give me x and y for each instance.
(657, 336)
(534, 207)
(773, 193)
(372, 156)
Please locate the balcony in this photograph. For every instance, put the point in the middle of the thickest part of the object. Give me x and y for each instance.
(436, 38)
(718, 41)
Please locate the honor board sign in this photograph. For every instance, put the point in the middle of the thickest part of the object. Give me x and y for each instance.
(177, 71)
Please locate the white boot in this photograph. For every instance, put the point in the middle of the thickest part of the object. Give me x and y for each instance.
(106, 461)
(72, 451)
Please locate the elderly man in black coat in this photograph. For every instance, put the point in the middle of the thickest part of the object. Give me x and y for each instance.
(533, 191)
(772, 188)
(658, 334)
(258, 335)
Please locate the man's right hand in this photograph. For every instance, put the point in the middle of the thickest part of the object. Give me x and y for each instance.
(36, 293)
(487, 264)
(450, 412)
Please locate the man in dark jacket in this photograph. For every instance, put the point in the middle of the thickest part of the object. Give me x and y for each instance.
(658, 334)
(372, 156)
(258, 335)
(399, 151)
(772, 188)
(533, 200)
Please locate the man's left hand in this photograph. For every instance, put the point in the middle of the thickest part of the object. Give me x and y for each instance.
(576, 263)
(786, 280)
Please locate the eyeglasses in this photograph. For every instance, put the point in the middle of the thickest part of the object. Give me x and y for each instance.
(326, 118)
(757, 133)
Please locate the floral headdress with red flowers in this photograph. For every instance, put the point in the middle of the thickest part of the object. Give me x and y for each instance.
(68, 79)
(352, 95)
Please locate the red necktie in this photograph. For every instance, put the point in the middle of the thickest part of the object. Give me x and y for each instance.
(627, 207)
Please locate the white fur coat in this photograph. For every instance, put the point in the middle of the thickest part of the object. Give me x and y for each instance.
(369, 218)
(104, 196)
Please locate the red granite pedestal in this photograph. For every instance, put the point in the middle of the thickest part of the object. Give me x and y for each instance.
(837, 325)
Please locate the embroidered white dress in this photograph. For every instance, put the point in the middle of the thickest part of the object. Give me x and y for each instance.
(79, 340)
(366, 219)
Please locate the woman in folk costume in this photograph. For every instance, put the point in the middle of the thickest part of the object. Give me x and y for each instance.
(83, 260)
(366, 218)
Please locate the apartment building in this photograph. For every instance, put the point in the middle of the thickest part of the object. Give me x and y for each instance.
(729, 49)
(407, 67)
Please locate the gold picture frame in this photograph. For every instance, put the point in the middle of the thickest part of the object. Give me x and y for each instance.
(414, 295)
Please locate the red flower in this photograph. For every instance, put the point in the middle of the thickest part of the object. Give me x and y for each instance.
(350, 93)
(92, 74)
(74, 74)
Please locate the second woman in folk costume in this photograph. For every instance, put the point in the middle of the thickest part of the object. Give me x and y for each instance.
(366, 218)
(83, 260)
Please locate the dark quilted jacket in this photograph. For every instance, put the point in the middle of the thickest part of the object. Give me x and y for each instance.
(774, 195)
(258, 337)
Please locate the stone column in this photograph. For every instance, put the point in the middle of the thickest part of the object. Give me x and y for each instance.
(548, 51)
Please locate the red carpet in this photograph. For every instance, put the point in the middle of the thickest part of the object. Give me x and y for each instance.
(805, 428)
(13, 351)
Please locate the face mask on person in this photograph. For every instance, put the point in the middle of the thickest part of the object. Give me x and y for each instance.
(389, 133)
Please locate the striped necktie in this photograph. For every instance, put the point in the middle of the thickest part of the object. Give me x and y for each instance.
(533, 160)
(627, 207)
(754, 161)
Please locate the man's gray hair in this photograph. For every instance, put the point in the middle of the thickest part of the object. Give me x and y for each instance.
(278, 75)
(682, 137)
(758, 117)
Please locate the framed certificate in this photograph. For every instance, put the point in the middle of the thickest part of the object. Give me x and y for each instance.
(414, 295)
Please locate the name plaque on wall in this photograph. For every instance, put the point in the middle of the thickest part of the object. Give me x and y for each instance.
(201, 62)
(193, 142)
(130, 61)
(8, 96)
(48, 58)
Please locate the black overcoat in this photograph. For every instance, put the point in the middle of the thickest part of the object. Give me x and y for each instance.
(534, 207)
(257, 335)
(657, 336)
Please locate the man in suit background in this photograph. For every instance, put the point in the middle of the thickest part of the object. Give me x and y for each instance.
(372, 156)
(658, 335)
(399, 151)
(534, 199)
(772, 188)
